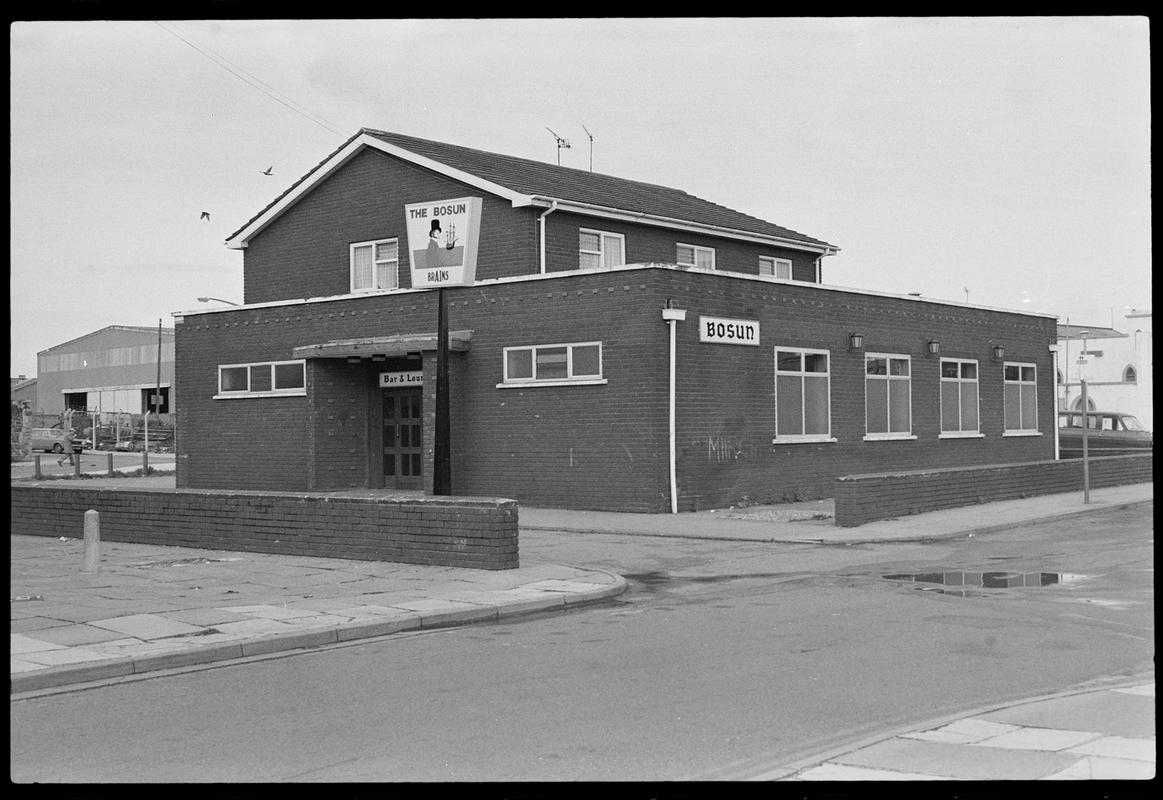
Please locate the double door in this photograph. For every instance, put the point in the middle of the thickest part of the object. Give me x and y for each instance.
(403, 439)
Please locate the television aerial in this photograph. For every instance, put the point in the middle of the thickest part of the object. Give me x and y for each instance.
(562, 144)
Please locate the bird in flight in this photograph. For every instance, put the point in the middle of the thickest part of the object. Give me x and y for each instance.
(205, 215)
(268, 171)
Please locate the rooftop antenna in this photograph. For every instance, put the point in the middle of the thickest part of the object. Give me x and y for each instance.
(587, 130)
(561, 144)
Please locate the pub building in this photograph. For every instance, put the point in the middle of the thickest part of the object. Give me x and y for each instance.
(608, 344)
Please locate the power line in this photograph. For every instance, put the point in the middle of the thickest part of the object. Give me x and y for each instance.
(252, 81)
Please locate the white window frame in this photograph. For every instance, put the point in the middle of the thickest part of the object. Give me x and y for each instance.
(295, 391)
(960, 434)
(1025, 430)
(773, 263)
(605, 240)
(888, 379)
(377, 265)
(800, 438)
(508, 382)
(695, 251)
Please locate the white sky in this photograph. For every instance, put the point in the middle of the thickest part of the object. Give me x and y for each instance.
(1006, 156)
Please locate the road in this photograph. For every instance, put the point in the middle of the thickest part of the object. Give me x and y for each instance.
(725, 660)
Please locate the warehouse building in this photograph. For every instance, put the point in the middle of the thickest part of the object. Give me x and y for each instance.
(611, 345)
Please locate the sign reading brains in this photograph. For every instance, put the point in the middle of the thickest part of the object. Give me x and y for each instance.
(442, 241)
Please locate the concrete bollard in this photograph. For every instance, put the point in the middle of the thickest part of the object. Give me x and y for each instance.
(144, 463)
(76, 465)
(36, 473)
(109, 464)
(92, 542)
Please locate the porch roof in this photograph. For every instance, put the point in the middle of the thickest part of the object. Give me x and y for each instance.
(397, 345)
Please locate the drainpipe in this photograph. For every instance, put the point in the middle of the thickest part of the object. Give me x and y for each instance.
(673, 316)
(1054, 422)
(541, 223)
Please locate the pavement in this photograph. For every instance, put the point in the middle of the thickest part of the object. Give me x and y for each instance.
(142, 609)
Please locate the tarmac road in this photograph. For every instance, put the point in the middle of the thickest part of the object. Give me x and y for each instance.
(727, 660)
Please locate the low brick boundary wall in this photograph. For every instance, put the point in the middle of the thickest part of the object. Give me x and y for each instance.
(867, 498)
(480, 533)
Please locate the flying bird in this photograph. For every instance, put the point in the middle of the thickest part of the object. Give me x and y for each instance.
(205, 215)
(268, 171)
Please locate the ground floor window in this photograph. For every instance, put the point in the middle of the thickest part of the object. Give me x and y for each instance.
(802, 395)
(552, 364)
(887, 396)
(1021, 398)
(959, 398)
(262, 379)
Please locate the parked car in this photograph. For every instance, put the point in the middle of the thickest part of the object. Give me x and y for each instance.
(1109, 433)
(54, 440)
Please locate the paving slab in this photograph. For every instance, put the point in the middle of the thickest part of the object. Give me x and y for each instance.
(964, 762)
(1116, 713)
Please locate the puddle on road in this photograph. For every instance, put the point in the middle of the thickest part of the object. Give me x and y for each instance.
(184, 562)
(965, 584)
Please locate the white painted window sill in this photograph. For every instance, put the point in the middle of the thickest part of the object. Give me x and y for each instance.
(252, 395)
(804, 440)
(961, 436)
(539, 384)
(889, 437)
(1022, 433)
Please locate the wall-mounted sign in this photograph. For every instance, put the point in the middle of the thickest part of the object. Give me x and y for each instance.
(391, 380)
(729, 331)
(442, 241)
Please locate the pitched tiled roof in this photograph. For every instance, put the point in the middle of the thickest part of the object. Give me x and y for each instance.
(535, 178)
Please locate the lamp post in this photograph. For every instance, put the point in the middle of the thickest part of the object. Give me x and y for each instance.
(218, 299)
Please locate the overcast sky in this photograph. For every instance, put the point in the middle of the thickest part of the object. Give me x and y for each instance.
(1008, 158)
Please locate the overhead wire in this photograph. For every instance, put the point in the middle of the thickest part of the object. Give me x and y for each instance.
(250, 80)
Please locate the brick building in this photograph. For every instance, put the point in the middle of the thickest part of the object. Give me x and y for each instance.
(621, 346)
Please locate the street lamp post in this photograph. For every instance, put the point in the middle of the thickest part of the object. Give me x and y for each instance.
(218, 299)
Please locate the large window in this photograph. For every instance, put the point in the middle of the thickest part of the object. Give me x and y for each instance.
(959, 398)
(887, 396)
(375, 265)
(693, 256)
(552, 364)
(600, 250)
(1021, 398)
(802, 391)
(775, 267)
(263, 379)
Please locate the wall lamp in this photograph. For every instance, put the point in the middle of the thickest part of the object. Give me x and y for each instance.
(999, 352)
(353, 359)
(855, 341)
(934, 347)
(379, 357)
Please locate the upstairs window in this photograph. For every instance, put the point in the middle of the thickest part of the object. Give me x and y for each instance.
(695, 257)
(600, 250)
(775, 267)
(959, 398)
(1129, 375)
(375, 265)
(1021, 398)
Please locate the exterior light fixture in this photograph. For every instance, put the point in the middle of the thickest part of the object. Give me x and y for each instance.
(934, 347)
(999, 352)
(379, 357)
(353, 359)
(218, 299)
(855, 341)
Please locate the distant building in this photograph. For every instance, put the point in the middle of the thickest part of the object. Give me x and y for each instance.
(112, 369)
(24, 391)
(1117, 367)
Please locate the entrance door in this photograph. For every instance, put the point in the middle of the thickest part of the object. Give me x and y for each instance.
(403, 439)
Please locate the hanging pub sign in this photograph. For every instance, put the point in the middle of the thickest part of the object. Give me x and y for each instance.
(729, 331)
(391, 380)
(442, 241)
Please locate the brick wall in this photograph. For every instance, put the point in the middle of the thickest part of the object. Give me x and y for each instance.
(866, 498)
(477, 533)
